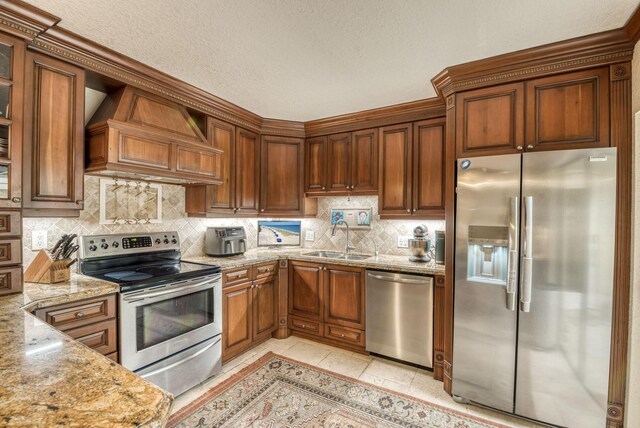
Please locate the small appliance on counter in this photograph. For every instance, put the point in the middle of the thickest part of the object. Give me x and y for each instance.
(225, 241)
(420, 245)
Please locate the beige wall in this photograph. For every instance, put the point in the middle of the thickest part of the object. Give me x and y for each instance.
(633, 389)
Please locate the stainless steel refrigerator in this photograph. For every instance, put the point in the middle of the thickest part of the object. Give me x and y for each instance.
(534, 284)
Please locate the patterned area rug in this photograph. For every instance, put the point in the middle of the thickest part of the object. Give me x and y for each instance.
(278, 392)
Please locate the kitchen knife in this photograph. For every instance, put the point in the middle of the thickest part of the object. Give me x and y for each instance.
(72, 262)
(69, 250)
(59, 243)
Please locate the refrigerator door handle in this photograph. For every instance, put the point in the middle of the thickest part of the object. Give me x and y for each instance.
(512, 262)
(527, 253)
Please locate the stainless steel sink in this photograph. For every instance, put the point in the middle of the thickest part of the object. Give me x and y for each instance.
(337, 255)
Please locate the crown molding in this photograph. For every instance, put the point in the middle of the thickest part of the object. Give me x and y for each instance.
(594, 50)
(632, 26)
(24, 20)
(398, 113)
(285, 128)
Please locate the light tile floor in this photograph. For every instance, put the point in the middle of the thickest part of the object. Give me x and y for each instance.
(377, 371)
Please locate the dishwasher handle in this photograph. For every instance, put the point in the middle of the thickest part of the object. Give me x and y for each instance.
(399, 280)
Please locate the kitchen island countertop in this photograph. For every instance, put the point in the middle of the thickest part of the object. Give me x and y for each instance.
(49, 379)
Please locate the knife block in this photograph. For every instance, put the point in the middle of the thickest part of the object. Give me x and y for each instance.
(43, 269)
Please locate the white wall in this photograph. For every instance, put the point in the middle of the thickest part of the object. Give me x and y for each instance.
(633, 386)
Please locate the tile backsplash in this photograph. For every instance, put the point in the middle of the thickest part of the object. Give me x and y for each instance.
(383, 232)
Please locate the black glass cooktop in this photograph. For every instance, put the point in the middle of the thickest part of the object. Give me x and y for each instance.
(139, 276)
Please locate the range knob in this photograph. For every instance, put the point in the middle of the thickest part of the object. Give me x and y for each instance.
(115, 244)
(166, 241)
(158, 241)
(104, 246)
(92, 247)
(174, 241)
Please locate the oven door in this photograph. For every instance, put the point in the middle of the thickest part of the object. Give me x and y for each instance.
(158, 322)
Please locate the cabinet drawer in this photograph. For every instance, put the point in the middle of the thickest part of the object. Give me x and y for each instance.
(10, 223)
(236, 276)
(265, 270)
(78, 314)
(101, 336)
(344, 334)
(10, 252)
(10, 280)
(308, 326)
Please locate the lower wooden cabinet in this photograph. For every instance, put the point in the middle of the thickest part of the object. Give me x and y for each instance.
(328, 302)
(249, 308)
(92, 322)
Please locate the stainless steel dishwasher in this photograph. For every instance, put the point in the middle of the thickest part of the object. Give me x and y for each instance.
(400, 316)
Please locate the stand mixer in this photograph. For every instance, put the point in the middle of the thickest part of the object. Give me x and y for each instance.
(420, 245)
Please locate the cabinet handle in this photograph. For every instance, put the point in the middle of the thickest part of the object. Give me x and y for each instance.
(262, 210)
(408, 210)
(519, 147)
(16, 199)
(79, 314)
(324, 188)
(304, 326)
(342, 335)
(530, 146)
(79, 201)
(238, 209)
(414, 210)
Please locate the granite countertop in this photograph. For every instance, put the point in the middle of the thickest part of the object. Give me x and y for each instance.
(49, 379)
(382, 262)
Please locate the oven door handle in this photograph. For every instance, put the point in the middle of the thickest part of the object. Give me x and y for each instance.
(141, 296)
(177, 363)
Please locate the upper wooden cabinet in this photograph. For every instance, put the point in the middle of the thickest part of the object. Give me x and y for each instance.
(238, 166)
(342, 164)
(282, 178)
(568, 111)
(565, 111)
(412, 170)
(54, 136)
(12, 57)
(490, 121)
(141, 135)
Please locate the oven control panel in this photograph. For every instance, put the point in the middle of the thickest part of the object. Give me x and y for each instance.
(97, 246)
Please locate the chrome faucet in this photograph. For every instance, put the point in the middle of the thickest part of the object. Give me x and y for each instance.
(347, 247)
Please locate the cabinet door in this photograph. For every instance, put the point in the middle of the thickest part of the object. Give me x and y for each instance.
(316, 166)
(344, 296)
(221, 135)
(246, 174)
(305, 290)
(237, 319)
(394, 193)
(265, 308)
(54, 134)
(490, 121)
(282, 179)
(339, 162)
(568, 111)
(428, 168)
(12, 53)
(364, 161)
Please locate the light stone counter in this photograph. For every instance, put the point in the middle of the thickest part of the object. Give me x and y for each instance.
(382, 262)
(49, 379)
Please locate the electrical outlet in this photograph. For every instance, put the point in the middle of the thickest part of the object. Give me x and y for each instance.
(403, 241)
(38, 240)
(310, 236)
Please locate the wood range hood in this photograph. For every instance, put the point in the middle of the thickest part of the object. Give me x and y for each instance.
(142, 136)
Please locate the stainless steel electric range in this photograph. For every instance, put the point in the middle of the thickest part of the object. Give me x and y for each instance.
(170, 311)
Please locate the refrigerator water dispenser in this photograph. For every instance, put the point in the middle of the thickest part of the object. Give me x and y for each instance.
(488, 254)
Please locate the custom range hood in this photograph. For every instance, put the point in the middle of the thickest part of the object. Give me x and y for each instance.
(141, 136)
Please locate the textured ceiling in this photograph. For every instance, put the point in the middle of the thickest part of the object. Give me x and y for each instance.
(309, 59)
